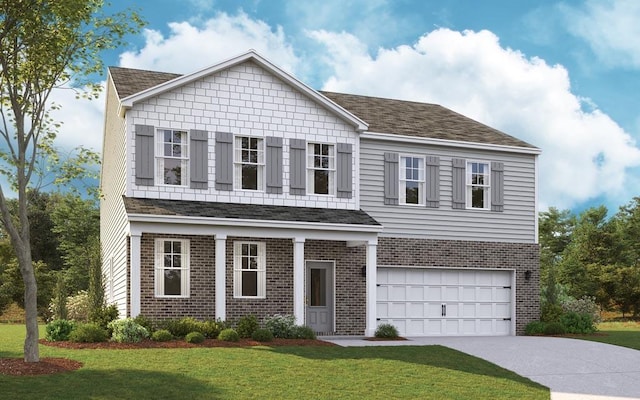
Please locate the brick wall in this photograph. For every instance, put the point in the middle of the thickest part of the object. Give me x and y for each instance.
(470, 254)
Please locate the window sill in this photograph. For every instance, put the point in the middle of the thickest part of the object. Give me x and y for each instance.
(170, 297)
(250, 297)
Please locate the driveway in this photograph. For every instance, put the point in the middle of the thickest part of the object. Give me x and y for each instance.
(573, 369)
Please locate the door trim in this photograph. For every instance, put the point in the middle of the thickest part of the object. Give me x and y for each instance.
(332, 265)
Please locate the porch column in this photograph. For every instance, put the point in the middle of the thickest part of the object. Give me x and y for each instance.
(135, 240)
(372, 278)
(221, 277)
(298, 280)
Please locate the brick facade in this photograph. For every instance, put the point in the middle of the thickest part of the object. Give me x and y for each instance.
(521, 257)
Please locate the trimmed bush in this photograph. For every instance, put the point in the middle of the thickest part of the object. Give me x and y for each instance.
(247, 325)
(104, 315)
(127, 331)
(262, 335)
(194, 337)
(280, 325)
(88, 333)
(534, 328)
(161, 335)
(386, 331)
(211, 329)
(302, 332)
(551, 313)
(182, 327)
(229, 335)
(58, 330)
(579, 323)
(554, 328)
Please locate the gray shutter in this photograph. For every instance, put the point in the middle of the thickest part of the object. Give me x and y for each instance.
(199, 159)
(459, 183)
(344, 170)
(144, 155)
(273, 164)
(433, 181)
(297, 167)
(391, 183)
(497, 186)
(224, 161)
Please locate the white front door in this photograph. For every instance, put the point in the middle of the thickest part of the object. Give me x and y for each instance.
(319, 295)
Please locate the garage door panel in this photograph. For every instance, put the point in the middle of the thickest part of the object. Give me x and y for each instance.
(415, 310)
(415, 293)
(450, 277)
(469, 293)
(382, 293)
(433, 310)
(451, 293)
(484, 310)
(397, 293)
(469, 310)
(502, 278)
(503, 310)
(503, 294)
(398, 310)
(433, 293)
(485, 294)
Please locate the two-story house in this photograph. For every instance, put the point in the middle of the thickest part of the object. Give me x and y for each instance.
(240, 190)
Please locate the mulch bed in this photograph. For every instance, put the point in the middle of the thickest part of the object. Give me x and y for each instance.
(46, 366)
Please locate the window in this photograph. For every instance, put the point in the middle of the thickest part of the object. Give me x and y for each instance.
(477, 185)
(249, 269)
(172, 155)
(321, 168)
(172, 268)
(249, 163)
(412, 180)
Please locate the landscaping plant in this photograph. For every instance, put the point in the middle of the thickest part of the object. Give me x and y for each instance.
(280, 325)
(194, 337)
(58, 330)
(127, 331)
(161, 335)
(88, 333)
(229, 335)
(262, 335)
(386, 331)
(247, 325)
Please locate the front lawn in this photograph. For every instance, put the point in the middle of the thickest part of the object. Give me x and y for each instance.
(430, 372)
(626, 334)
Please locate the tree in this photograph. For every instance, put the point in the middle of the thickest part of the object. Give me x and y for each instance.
(43, 45)
(555, 232)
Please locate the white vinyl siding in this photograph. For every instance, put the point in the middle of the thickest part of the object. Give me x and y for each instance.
(249, 269)
(172, 268)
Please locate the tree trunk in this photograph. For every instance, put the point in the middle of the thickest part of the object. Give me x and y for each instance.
(31, 351)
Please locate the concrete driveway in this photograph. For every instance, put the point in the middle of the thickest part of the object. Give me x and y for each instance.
(573, 369)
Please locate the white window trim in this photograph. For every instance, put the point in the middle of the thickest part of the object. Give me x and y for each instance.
(159, 268)
(469, 185)
(261, 271)
(160, 157)
(311, 168)
(238, 163)
(402, 181)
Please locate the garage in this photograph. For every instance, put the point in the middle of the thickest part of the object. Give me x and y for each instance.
(446, 302)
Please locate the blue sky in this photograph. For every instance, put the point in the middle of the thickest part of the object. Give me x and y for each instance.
(562, 75)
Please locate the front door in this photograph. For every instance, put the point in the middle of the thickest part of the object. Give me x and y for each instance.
(319, 296)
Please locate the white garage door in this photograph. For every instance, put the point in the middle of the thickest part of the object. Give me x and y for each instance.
(425, 302)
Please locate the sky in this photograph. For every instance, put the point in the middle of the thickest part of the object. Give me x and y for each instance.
(561, 75)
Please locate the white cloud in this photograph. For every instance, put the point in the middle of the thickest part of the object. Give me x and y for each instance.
(610, 27)
(585, 153)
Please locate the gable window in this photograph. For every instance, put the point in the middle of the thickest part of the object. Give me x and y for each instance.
(478, 185)
(249, 163)
(172, 155)
(321, 168)
(172, 268)
(249, 269)
(412, 180)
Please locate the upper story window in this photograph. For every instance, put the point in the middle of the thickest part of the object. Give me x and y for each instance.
(172, 157)
(321, 167)
(249, 269)
(478, 185)
(172, 268)
(412, 180)
(249, 163)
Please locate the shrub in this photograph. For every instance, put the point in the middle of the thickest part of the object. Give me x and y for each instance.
(551, 313)
(554, 328)
(280, 325)
(584, 305)
(103, 315)
(262, 335)
(58, 330)
(78, 306)
(578, 323)
(302, 332)
(127, 331)
(161, 335)
(211, 329)
(194, 337)
(386, 331)
(534, 328)
(88, 333)
(144, 322)
(247, 325)
(182, 327)
(229, 335)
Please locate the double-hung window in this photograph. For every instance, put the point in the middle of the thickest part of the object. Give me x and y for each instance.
(478, 185)
(172, 157)
(172, 267)
(249, 269)
(249, 163)
(321, 167)
(412, 180)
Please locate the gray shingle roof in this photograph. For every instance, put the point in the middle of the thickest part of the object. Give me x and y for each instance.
(383, 115)
(206, 209)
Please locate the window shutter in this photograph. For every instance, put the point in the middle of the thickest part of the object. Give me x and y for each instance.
(224, 161)
(144, 154)
(273, 161)
(497, 186)
(432, 172)
(199, 159)
(391, 183)
(297, 167)
(459, 183)
(344, 170)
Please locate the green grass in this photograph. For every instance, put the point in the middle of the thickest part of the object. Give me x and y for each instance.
(430, 372)
(626, 334)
